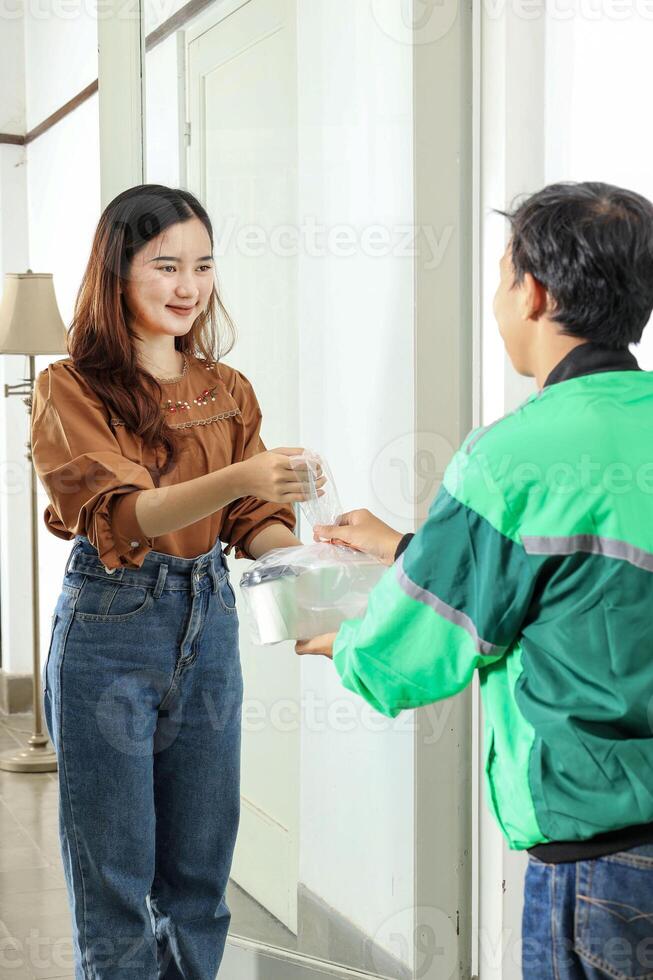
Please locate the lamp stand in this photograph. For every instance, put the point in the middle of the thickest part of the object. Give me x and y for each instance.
(37, 756)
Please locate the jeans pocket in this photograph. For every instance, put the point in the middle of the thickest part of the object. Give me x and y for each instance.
(101, 601)
(44, 672)
(614, 915)
(226, 594)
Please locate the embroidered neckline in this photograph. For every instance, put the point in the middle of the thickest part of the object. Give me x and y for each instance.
(207, 365)
(210, 418)
(206, 395)
(186, 425)
(203, 398)
(177, 377)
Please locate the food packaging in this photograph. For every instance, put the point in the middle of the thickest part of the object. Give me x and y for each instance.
(301, 592)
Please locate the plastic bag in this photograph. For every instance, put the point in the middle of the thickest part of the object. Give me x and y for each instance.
(325, 509)
(299, 593)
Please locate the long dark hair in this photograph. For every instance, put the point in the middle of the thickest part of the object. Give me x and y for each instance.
(100, 340)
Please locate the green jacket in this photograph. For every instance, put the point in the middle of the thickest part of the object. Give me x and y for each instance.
(534, 568)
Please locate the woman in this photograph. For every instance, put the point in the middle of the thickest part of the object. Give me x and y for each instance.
(150, 453)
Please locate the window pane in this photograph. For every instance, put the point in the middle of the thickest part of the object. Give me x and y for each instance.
(292, 122)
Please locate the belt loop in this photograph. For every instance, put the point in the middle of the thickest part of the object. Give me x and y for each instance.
(158, 588)
(223, 559)
(196, 572)
(69, 563)
(214, 577)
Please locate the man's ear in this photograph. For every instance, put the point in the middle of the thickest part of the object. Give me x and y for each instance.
(534, 298)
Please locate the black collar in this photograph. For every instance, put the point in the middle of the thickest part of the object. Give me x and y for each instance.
(591, 358)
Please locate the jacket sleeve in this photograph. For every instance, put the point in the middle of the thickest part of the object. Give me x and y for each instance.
(246, 517)
(92, 487)
(454, 600)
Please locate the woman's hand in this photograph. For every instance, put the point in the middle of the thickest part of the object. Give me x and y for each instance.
(320, 645)
(270, 476)
(362, 531)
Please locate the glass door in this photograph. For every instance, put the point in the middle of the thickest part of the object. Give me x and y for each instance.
(331, 144)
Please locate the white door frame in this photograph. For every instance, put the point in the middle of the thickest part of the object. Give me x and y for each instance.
(266, 860)
(212, 16)
(121, 96)
(511, 77)
(445, 339)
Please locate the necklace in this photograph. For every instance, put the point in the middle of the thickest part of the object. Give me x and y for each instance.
(176, 377)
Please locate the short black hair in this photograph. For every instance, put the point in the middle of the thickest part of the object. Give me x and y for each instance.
(591, 246)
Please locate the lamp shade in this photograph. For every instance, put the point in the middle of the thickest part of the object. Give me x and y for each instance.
(30, 322)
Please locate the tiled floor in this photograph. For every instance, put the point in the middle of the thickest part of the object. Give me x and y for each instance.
(35, 926)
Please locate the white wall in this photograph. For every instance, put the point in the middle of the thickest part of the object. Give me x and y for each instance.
(64, 206)
(60, 55)
(512, 163)
(356, 316)
(64, 200)
(14, 433)
(357, 397)
(12, 73)
(162, 113)
(357, 404)
(14, 476)
(14, 257)
(63, 163)
(49, 192)
(562, 96)
(156, 11)
(599, 80)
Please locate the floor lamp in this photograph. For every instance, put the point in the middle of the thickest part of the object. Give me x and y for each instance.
(30, 324)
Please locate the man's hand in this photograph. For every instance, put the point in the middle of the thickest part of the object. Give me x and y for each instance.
(364, 532)
(320, 645)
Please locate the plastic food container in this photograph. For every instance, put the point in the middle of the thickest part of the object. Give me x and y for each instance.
(299, 593)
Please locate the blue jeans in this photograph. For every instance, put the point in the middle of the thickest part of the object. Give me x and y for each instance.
(142, 698)
(588, 920)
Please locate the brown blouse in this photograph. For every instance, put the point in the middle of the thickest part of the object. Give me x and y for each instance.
(93, 467)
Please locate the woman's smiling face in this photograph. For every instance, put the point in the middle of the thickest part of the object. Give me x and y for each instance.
(171, 280)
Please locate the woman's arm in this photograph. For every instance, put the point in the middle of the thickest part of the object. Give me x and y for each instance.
(97, 491)
(267, 476)
(273, 536)
(166, 509)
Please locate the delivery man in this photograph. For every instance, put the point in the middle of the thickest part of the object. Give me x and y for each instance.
(535, 567)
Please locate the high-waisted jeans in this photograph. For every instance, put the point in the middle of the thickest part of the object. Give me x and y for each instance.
(142, 698)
